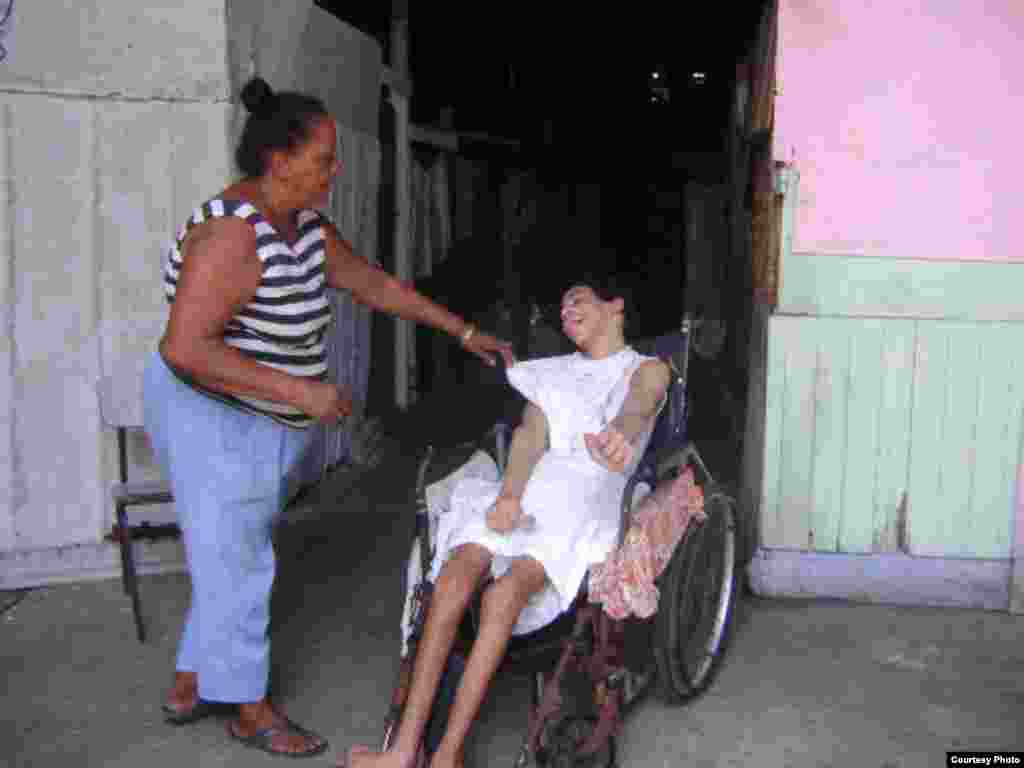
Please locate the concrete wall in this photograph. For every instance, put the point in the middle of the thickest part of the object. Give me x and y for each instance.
(113, 123)
(157, 50)
(116, 119)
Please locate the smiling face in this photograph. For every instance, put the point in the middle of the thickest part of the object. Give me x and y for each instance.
(309, 169)
(591, 323)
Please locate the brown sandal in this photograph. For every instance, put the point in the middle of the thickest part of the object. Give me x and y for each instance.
(263, 739)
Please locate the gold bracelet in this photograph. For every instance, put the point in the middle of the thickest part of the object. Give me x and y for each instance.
(467, 334)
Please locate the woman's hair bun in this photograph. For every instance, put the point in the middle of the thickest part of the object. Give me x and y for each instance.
(257, 95)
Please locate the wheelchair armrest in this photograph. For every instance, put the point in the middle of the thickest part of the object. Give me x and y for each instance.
(502, 432)
(646, 472)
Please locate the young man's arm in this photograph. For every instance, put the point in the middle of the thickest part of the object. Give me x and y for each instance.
(613, 447)
(529, 442)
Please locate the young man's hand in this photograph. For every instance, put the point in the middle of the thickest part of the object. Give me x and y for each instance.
(506, 515)
(610, 449)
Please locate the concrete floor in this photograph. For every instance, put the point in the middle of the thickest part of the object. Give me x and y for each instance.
(805, 684)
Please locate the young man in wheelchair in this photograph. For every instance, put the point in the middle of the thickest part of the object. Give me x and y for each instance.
(555, 511)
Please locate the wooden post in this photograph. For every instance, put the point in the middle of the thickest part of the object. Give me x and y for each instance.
(405, 348)
(443, 186)
(441, 347)
(7, 350)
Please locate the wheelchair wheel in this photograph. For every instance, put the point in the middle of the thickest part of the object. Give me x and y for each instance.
(693, 625)
(569, 734)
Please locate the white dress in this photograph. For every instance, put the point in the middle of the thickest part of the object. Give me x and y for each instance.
(574, 500)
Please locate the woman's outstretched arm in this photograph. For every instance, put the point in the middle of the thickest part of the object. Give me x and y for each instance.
(372, 286)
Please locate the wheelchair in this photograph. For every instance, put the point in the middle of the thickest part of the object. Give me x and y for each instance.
(588, 669)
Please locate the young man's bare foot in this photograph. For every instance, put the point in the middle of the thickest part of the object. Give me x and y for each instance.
(364, 757)
(259, 725)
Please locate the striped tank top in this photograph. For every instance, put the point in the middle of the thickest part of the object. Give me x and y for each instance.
(283, 326)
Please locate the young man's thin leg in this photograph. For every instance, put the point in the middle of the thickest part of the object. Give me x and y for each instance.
(455, 586)
(502, 603)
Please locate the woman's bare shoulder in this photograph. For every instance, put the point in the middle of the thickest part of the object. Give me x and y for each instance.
(224, 233)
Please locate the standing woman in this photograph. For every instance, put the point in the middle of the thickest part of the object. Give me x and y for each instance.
(239, 378)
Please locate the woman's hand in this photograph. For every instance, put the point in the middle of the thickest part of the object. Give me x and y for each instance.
(324, 401)
(505, 515)
(483, 345)
(610, 449)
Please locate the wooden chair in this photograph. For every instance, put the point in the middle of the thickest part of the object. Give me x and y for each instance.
(120, 401)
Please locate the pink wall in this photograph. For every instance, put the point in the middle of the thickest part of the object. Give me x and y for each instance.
(904, 119)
